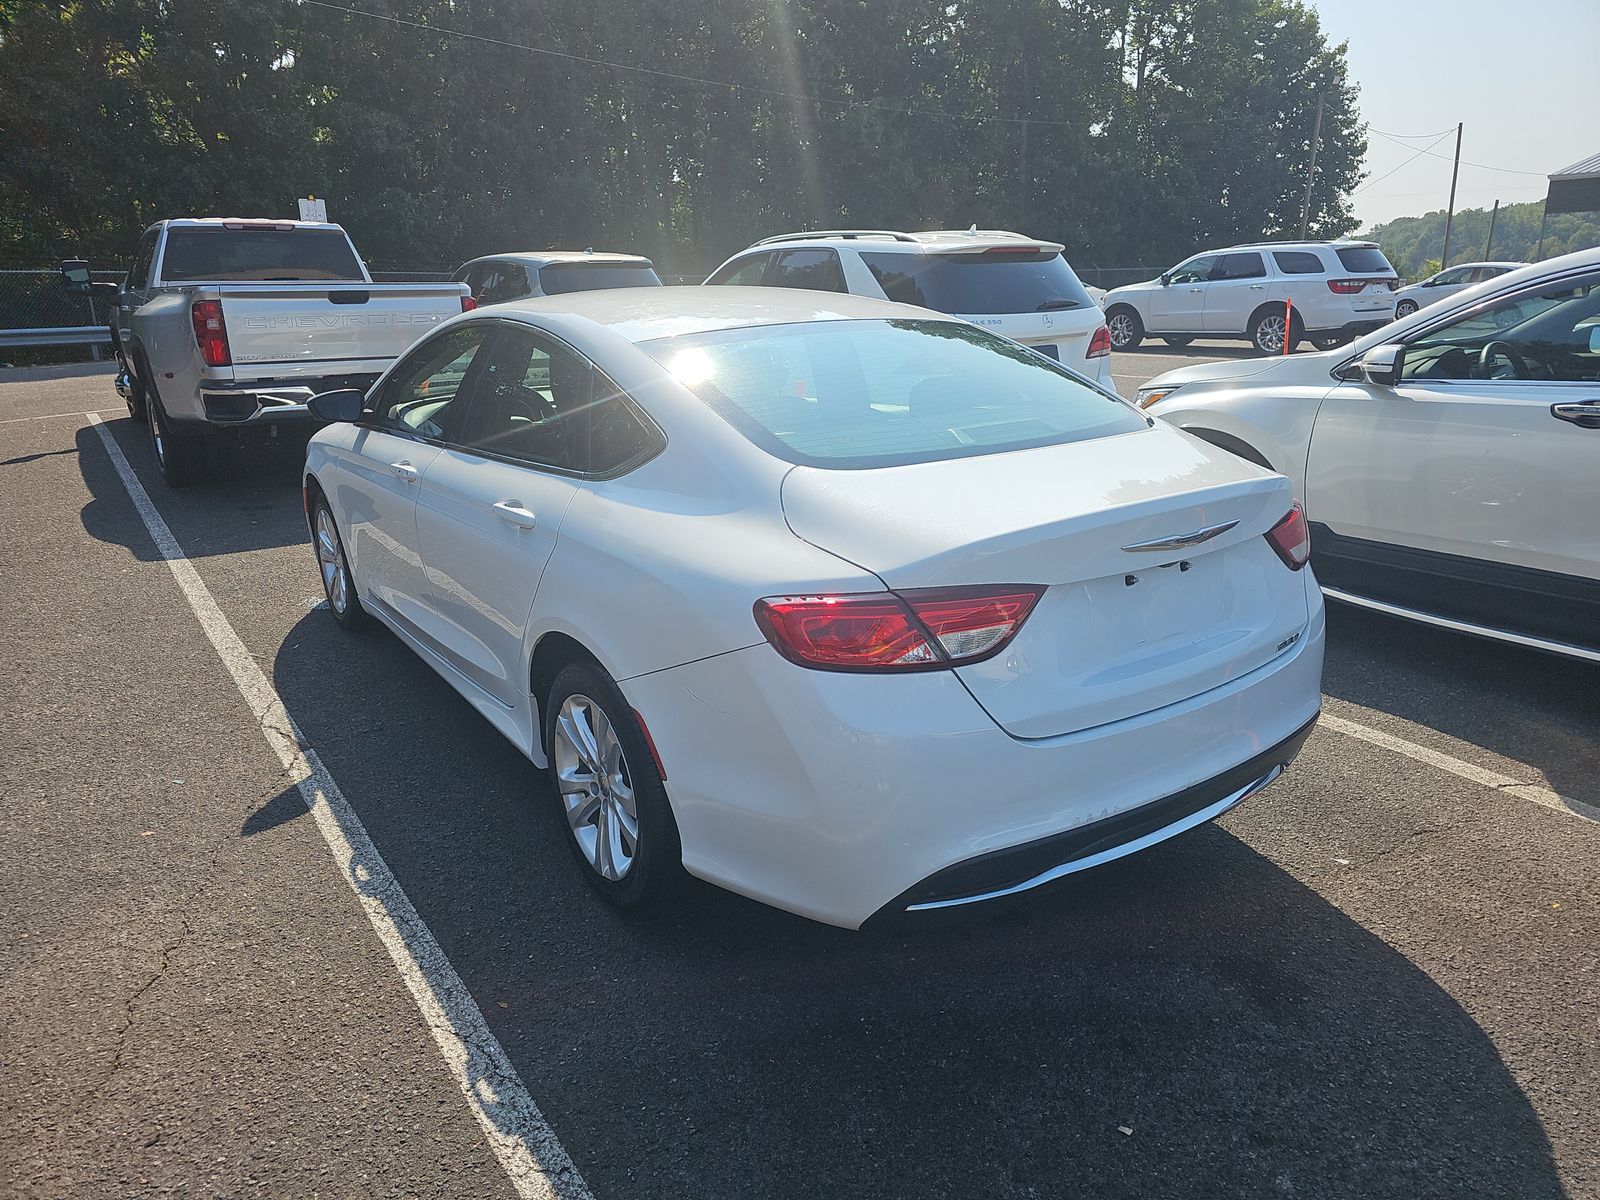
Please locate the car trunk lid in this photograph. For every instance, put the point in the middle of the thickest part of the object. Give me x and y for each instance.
(1119, 631)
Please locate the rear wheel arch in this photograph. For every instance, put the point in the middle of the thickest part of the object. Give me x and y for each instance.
(554, 652)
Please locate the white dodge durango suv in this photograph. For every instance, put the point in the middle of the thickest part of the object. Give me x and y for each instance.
(1019, 287)
(1336, 290)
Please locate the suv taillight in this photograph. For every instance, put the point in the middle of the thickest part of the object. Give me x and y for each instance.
(1346, 287)
(1290, 538)
(924, 629)
(210, 334)
(1100, 343)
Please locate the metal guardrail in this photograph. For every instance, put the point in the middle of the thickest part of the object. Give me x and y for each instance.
(64, 335)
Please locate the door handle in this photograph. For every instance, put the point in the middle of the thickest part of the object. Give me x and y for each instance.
(516, 513)
(1258, 287)
(404, 470)
(1583, 413)
(1196, 289)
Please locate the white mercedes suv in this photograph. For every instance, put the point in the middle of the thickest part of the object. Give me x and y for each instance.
(1018, 287)
(1336, 291)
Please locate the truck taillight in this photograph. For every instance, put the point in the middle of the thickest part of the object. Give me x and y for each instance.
(1099, 344)
(468, 304)
(210, 334)
(918, 630)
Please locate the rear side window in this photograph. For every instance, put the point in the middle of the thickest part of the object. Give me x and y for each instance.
(817, 270)
(502, 281)
(742, 272)
(559, 278)
(1364, 260)
(1297, 262)
(1242, 264)
(217, 253)
(1003, 281)
(139, 274)
(859, 394)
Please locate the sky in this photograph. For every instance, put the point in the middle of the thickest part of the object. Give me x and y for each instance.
(1523, 78)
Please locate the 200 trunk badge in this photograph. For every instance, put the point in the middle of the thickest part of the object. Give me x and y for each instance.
(1181, 541)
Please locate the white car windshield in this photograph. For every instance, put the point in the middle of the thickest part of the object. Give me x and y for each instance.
(859, 394)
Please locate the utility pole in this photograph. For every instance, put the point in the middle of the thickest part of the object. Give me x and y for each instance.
(1449, 216)
(1490, 242)
(1311, 175)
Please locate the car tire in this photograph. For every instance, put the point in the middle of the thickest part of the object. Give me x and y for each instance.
(338, 585)
(1177, 343)
(181, 457)
(1266, 331)
(1404, 309)
(586, 717)
(1125, 327)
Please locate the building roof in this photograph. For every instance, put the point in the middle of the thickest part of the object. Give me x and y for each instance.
(1586, 168)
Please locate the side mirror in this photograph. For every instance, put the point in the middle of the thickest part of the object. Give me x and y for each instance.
(342, 405)
(75, 271)
(1382, 364)
(1166, 280)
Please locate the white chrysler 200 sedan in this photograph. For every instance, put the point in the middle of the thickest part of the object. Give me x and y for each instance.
(843, 605)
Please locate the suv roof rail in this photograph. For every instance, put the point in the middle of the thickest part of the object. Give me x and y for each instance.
(845, 234)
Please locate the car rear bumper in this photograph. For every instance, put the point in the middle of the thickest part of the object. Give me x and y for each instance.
(843, 796)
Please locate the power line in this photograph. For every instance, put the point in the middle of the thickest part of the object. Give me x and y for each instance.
(1465, 162)
(703, 82)
(1405, 164)
(1412, 137)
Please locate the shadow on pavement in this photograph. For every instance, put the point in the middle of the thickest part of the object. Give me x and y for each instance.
(1254, 1039)
(249, 499)
(1533, 708)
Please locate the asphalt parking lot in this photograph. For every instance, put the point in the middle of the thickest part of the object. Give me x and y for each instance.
(1381, 977)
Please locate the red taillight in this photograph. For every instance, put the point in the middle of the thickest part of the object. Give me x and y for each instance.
(1012, 250)
(468, 304)
(1347, 287)
(919, 630)
(209, 333)
(1291, 538)
(1100, 343)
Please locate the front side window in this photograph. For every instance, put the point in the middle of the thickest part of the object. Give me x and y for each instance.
(1196, 270)
(529, 403)
(1242, 264)
(742, 272)
(1541, 335)
(856, 394)
(422, 393)
(817, 270)
(1297, 262)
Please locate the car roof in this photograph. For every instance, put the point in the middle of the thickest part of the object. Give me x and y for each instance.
(909, 243)
(545, 258)
(1336, 244)
(214, 222)
(643, 314)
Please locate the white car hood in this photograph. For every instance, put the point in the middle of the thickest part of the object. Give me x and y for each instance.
(1239, 368)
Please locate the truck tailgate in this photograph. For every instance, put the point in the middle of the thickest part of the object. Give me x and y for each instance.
(276, 327)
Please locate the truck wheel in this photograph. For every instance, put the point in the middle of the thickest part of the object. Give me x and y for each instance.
(1126, 329)
(182, 458)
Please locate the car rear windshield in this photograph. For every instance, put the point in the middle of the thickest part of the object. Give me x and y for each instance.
(1364, 260)
(1003, 282)
(592, 277)
(220, 253)
(857, 394)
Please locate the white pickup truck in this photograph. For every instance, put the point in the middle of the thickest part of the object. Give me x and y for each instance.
(224, 322)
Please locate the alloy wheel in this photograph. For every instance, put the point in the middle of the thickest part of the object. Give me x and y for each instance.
(330, 558)
(1121, 328)
(596, 787)
(1269, 334)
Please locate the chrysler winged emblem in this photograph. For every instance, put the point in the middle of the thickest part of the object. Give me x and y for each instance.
(1181, 541)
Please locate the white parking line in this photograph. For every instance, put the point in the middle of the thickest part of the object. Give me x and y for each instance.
(1531, 792)
(52, 416)
(516, 1130)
